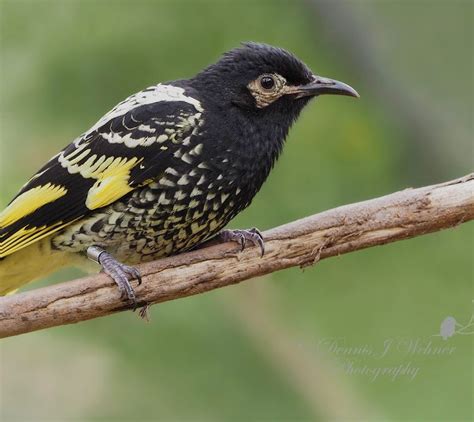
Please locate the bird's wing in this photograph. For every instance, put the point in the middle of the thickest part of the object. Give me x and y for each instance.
(131, 146)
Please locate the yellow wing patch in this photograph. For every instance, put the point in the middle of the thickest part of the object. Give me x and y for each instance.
(112, 176)
(30, 201)
(112, 183)
(26, 236)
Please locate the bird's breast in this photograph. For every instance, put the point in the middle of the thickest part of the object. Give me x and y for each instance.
(206, 182)
(172, 214)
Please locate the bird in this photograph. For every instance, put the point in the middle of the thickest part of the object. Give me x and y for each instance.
(162, 172)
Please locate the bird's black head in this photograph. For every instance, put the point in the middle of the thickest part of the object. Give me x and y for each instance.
(251, 97)
(264, 81)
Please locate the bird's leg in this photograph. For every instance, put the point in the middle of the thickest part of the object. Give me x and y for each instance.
(252, 235)
(120, 273)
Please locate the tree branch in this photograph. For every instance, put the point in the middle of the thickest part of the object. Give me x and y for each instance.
(401, 215)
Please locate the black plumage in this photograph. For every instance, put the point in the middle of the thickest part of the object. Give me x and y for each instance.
(168, 167)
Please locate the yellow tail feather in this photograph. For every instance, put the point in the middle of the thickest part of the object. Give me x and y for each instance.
(31, 263)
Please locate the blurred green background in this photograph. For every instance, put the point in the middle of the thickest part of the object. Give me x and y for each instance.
(266, 349)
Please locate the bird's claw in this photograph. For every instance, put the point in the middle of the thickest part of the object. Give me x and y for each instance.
(252, 235)
(120, 273)
(143, 312)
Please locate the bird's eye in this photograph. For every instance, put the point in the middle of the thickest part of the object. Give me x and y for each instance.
(267, 88)
(267, 82)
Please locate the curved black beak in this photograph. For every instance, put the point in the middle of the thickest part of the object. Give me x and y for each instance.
(321, 85)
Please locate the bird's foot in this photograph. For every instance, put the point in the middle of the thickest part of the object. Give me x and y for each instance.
(252, 235)
(120, 273)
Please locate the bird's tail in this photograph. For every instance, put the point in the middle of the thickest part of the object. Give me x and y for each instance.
(29, 264)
